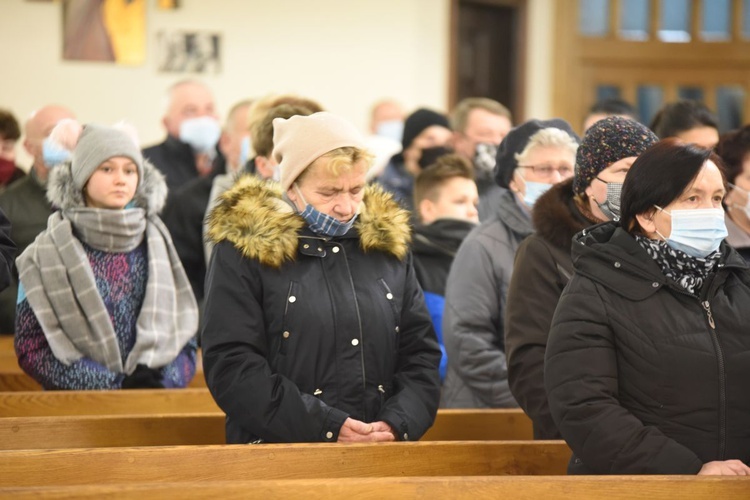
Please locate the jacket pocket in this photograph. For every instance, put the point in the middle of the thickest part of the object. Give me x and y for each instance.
(391, 299)
(289, 307)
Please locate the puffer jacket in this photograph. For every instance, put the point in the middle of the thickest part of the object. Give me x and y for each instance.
(301, 332)
(475, 297)
(643, 377)
(435, 246)
(542, 269)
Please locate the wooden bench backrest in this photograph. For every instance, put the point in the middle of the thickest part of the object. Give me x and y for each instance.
(515, 487)
(281, 461)
(145, 401)
(96, 431)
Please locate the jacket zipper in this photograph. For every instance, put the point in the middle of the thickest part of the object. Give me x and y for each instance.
(381, 390)
(706, 305)
(722, 381)
(359, 319)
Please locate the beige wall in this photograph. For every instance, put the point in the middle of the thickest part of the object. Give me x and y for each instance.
(344, 53)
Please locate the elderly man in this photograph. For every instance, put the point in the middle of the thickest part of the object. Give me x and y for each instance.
(25, 201)
(193, 130)
(479, 126)
(186, 205)
(315, 328)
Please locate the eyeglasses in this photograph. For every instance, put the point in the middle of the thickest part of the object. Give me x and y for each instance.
(547, 171)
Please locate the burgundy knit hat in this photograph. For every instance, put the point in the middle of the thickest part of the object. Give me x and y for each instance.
(607, 141)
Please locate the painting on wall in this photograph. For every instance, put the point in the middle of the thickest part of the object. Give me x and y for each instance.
(167, 4)
(105, 30)
(189, 52)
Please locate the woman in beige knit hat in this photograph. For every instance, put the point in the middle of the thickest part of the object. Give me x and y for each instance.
(315, 328)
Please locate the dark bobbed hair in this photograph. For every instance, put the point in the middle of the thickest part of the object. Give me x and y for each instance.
(9, 129)
(680, 116)
(612, 106)
(733, 147)
(659, 176)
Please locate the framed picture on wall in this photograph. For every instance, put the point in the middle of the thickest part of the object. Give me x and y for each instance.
(104, 30)
(189, 52)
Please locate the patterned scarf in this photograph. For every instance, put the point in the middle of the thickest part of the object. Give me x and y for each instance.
(61, 288)
(688, 272)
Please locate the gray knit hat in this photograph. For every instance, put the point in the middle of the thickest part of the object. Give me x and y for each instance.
(98, 144)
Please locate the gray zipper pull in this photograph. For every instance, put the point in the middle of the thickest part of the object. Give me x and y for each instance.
(707, 307)
(381, 389)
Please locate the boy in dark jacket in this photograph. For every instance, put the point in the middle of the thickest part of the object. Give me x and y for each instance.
(446, 200)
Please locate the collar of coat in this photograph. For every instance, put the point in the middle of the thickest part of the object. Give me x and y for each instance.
(253, 216)
(557, 217)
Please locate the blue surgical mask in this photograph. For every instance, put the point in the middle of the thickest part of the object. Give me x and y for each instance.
(323, 224)
(244, 152)
(54, 154)
(533, 191)
(392, 129)
(201, 133)
(697, 232)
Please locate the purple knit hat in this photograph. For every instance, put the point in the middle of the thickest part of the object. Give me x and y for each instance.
(607, 141)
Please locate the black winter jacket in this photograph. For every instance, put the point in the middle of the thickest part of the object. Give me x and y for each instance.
(643, 377)
(301, 332)
(542, 269)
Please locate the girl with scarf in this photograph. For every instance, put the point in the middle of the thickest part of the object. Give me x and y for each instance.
(646, 367)
(104, 302)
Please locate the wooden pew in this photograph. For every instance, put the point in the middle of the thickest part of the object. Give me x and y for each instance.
(280, 461)
(470, 488)
(13, 378)
(98, 431)
(136, 402)
(451, 424)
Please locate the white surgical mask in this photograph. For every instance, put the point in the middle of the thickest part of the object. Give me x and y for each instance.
(746, 206)
(392, 129)
(697, 232)
(201, 133)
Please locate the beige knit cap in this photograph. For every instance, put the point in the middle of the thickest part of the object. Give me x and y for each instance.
(300, 140)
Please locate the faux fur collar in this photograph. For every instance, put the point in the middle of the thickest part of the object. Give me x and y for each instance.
(557, 217)
(150, 195)
(255, 219)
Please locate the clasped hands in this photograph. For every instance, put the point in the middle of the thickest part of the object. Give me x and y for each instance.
(356, 431)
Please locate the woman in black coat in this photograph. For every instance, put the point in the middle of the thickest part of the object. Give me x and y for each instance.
(315, 328)
(647, 367)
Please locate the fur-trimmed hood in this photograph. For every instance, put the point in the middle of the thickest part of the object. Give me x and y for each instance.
(557, 217)
(253, 216)
(150, 195)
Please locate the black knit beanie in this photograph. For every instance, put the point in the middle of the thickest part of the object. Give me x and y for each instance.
(418, 121)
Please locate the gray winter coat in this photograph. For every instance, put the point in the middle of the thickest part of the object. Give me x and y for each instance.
(473, 319)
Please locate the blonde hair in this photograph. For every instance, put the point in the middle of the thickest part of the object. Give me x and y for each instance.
(342, 160)
(551, 137)
(260, 108)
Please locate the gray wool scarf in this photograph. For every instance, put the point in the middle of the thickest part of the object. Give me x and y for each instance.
(61, 288)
